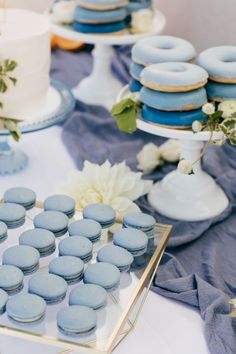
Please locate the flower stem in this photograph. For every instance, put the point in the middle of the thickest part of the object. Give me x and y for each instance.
(204, 149)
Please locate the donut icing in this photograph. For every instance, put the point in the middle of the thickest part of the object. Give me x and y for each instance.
(172, 119)
(135, 85)
(220, 63)
(135, 6)
(102, 4)
(169, 101)
(83, 15)
(159, 49)
(135, 71)
(218, 92)
(173, 76)
(99, 28)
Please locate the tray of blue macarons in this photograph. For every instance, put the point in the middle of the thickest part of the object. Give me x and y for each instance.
(66, 278)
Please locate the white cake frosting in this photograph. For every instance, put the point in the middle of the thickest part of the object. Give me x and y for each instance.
(25, 38)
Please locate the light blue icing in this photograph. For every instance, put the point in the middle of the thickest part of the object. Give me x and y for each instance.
(115, 255)
(104, 274)
(91, 295)
(62, 203)
(21, 256)
(135, 85)
(137, 5)
(222, 91)
(3, 301)
(3, 230)
(175, 101)
(87, 228)
(159, 49)
(77, 246)
(99, 28)
(102, 213)
(83, 15)
(219, 61)
(66, 266)
(11, 277)
(54, 221)
(139, 220)
(131, 239)
(135, 71)
(173, 74)
(20, 195)
(37, 238)
(97, 3)
(76, 319)
(178, 119)
(26, 308)
(50, 287)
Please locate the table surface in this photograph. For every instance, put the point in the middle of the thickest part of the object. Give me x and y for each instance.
(165, 326)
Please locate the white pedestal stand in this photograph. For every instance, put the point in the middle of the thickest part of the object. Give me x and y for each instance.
(101, 87)
(191, 198)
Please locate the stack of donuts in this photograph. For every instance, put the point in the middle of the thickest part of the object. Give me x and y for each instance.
(101, 16)
(157, 49)
(220, 63)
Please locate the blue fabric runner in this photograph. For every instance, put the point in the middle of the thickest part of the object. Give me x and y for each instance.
(199, 266)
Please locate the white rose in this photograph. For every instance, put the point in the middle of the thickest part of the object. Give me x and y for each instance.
(196, 126)
(208, 109)
(185, 167)
(170, 150)
(63, 11)
(141, 21)
(228, 108)
(149, 158)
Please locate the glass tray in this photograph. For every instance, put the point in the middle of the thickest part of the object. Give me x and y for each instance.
(115, 321)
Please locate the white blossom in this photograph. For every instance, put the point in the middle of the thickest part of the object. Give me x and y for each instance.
(141, 21)
(208, 108)
(63, 11)
(170, 150)
(149, 158)
(228, 108)
(197, 126)
(185, 167)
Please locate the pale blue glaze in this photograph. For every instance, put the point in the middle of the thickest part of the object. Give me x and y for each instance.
(176, 101)
(135, 71)
(104, 274)
(99, 28)
(62, 203)
(159, 49)
(135, 241)
(87, 228)
(83, 15)
(176, 119)
(20, 195)
(117, 256)
(222, 91)
(219, 61)
(91, 295)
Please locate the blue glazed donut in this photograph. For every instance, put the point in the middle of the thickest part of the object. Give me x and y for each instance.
(135, 71)
(173, 77)
(178, 120)
(99, 28)
(102, 4)
(169, 101)
(218, 92)
(220, 63)
(83, 15)
(135, 85)
(159, 49)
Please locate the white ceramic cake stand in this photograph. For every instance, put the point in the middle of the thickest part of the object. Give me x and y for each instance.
(182, 197)
(101, 87)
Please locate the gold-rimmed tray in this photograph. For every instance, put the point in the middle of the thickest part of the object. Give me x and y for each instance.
(115, 321)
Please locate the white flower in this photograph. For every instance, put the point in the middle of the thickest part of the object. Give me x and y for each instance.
(185, 167)
(220, 141)
(149, 158)
(63, 11)
(228, 108)
(170, 150)
(135, 96)
(141, 21)
(115, 185)
(208, 108)
(196, 126)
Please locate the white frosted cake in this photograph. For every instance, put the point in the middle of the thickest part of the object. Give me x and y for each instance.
(25, 38)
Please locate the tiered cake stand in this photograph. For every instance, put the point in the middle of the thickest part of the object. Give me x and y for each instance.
(101, 87)
(185, 197)
(60, 102)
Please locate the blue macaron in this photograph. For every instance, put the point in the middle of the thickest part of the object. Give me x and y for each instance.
(24, 257)
(13, 215)
(102, 213)
(134, 241)
(54, 221)
(62, 203)
(3, 231)
(41, 239)
(87, 228)
(76, 320)
(117, 256)
(20, 195)
(140, 221)
(103, 274)
(26, 308)
(91, 295)
(3, 301)
(50, 287)
(77, 246)
(68, 267)
(11, 279)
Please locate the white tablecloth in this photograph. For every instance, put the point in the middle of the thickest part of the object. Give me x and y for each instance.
(164, 327)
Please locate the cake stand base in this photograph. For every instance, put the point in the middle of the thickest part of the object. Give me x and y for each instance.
(101, 87)
(11, 161)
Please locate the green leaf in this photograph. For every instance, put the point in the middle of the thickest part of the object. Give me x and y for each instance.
(126, 120)
(13, 80)
(121, 106)
(1, 105)
(217, 115)
(9, 65)
(15, 134)
(3, 86)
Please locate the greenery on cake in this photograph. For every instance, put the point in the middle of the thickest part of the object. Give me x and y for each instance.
(6, 79)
